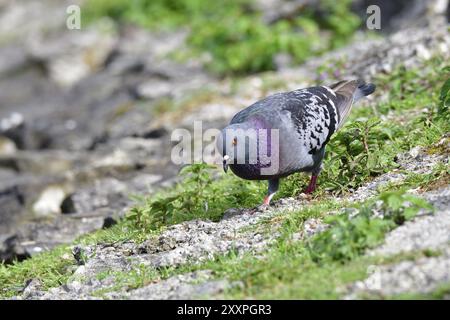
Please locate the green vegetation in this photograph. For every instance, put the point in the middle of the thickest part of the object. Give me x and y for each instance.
(197, 196)
(350, 235)
(311, 268)
(233, 33)
(52, 268)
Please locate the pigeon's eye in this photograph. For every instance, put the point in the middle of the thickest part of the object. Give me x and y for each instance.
(234, 142)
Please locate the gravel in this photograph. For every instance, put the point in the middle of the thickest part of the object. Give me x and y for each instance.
(426, 232)
(424, 275)
(416, 160)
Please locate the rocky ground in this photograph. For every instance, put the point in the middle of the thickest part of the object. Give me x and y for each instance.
(80, 132)
(241, 230)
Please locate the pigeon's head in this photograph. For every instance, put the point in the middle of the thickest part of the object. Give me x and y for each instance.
(233, 144)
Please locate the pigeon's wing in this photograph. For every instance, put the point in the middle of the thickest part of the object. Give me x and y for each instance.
(314, 115)
(318, 112)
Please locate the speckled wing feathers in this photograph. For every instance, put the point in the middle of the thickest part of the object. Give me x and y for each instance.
(314, 115)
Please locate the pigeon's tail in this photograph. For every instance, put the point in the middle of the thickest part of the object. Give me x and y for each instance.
(350, 92)
(363, 90)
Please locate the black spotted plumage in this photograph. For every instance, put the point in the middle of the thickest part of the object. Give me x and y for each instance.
(305, 118)
(313, 112)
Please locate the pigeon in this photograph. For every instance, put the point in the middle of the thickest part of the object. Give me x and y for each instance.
(290, 131)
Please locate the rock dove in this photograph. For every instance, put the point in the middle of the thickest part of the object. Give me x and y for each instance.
(292, 128)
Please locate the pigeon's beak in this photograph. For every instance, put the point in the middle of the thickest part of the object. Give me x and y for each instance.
(225, 164)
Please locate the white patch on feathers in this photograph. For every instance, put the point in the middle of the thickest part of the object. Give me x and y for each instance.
(329, 90)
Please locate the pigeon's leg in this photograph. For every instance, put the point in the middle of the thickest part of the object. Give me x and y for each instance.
(313, 182)
(272, 189)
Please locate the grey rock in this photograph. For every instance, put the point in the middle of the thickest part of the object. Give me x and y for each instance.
(94, 138)
(10, 249)
(108, 193)
(274, 11)
(421, 276)
(36, 237)
(28, 18)
(7, 147)
(49, 202)
(11, 204)
(186, 286)
(32, 289)
(15, 120)
(424, 232)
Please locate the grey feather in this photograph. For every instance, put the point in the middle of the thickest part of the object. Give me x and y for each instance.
(348, 92)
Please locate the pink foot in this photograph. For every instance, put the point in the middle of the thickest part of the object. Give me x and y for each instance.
(267, 199)
(312, 185)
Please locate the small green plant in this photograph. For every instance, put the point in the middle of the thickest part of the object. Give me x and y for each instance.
(350, 235)
(355, 154)
(197, 196)
(400, 206)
